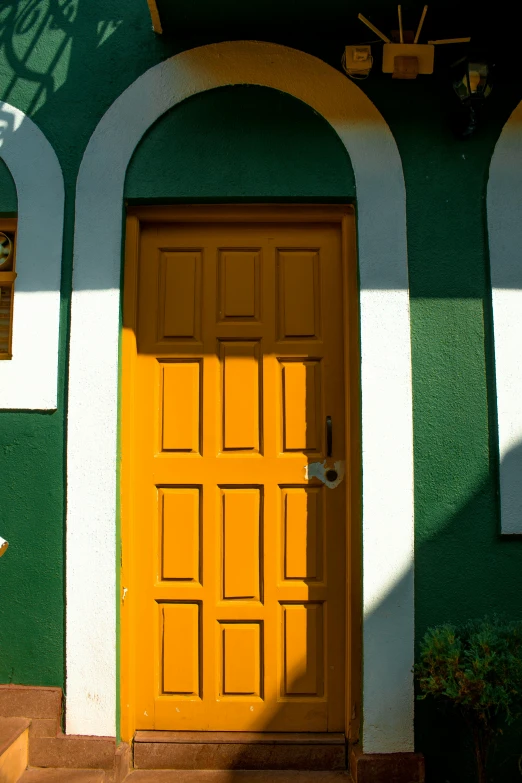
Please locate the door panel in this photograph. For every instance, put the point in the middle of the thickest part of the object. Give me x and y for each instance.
(239, 560)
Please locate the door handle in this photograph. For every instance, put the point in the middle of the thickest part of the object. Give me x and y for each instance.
(331, 474)
(329, 436)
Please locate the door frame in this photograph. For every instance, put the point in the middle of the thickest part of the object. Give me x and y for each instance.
(344, 217)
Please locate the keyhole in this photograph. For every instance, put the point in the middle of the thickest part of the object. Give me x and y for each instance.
(331, 475)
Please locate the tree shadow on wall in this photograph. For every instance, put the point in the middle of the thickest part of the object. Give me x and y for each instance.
(54, 60)
(7, 127)
(25, 27)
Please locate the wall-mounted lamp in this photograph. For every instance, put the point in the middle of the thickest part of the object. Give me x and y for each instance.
(472, 80)
(472, 85)
(3, 545)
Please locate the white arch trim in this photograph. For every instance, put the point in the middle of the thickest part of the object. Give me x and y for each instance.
(29, 380)
(505, 242)
(386, 376)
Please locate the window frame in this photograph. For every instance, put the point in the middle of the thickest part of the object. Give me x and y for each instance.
(9, 226)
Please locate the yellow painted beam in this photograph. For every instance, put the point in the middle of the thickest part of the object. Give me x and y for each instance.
(450, 41)
(154, 15)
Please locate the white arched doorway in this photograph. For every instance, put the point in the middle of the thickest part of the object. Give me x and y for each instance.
(388, 632)
(505, 241)
(29, 381)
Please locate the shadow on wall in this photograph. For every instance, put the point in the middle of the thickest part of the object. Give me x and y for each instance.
(54, 59)
(24, 26)
(36, 39)
(481, 575)
(8, 128)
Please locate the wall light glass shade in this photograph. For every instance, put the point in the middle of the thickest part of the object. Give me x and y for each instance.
(473, 82)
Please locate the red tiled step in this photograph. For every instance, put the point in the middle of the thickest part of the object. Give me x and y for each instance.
(71, 751)
(193, 750)
(235, 776)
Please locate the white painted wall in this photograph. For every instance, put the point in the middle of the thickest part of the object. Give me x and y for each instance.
(505, 250)
(386, 377)
(30, 379)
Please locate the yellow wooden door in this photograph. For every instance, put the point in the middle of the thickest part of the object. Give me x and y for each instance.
(239, 565)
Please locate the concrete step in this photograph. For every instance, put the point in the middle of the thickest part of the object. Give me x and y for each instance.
(14, 748)
(63, 776)
(236, 776)
(27, 701)
(70, 751)
(207, 750)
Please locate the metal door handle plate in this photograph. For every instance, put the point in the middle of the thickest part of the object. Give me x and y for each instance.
(330, 477)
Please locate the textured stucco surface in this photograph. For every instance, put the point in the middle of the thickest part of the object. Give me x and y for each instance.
(463, 567)
(31, 578)
(222, 157)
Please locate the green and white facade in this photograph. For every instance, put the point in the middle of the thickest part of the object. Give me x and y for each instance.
(96, 112)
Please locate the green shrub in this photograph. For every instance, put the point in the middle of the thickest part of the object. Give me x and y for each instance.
(476, 668)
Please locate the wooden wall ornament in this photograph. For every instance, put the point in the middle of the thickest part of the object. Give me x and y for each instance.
(405, 58)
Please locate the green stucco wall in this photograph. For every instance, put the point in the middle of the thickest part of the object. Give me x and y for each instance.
(247, 143)
(31, 519)
(31, 575)
(463, 567)
(199, 151)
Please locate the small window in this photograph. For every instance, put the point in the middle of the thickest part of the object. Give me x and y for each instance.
(7, 281)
